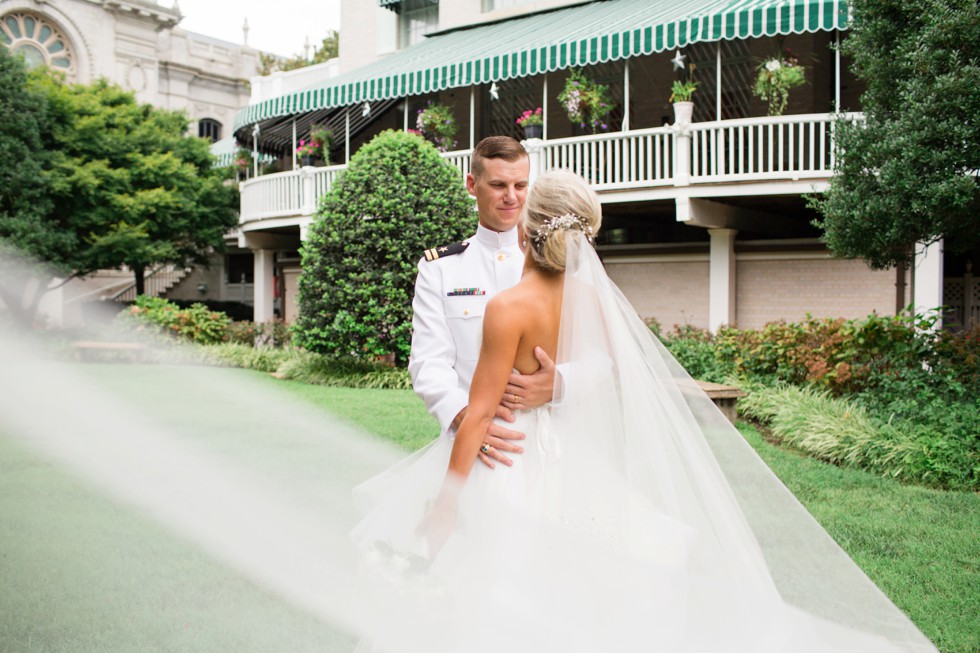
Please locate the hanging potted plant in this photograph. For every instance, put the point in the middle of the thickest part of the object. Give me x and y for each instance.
(777, 75)
(681, 93)
(437, 125)
(532, 122)
(586, 103)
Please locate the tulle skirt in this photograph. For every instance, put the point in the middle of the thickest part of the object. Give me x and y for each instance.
(526, 571)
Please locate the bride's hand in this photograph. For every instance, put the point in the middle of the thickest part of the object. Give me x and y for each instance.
(438, 523)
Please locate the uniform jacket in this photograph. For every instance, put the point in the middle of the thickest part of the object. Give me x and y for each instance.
(451, 294)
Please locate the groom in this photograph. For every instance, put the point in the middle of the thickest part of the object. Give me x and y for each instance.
(453, 286)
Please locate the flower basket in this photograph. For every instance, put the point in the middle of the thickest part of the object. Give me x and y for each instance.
(437, 125)
(317, 146)
(532, 122)
(586, 103)
(776, 77)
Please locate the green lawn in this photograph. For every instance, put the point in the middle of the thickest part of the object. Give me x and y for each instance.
(83, 572)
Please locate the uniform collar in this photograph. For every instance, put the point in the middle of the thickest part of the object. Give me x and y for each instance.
(495, 239)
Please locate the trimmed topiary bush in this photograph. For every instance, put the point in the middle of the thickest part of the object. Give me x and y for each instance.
(397, 198)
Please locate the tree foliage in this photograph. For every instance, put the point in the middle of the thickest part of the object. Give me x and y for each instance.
(328, 49)
(23, 193)
(134, 187)
(909, 173)
(397, 198)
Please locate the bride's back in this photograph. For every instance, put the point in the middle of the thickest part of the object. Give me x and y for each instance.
(560, 205)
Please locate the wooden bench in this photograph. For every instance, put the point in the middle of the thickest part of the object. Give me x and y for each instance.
(83, 348)
(725, 397)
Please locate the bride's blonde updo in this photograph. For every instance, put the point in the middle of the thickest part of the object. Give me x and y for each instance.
(559, 202)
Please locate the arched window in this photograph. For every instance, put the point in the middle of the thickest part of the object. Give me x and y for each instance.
(209, 128)
(39, 41)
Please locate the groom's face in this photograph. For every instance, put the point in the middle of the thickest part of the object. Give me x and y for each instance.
(500, 191)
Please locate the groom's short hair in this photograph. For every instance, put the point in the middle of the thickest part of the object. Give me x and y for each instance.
(495, 147)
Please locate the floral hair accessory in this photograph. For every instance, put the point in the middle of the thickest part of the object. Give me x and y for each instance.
(561, 223)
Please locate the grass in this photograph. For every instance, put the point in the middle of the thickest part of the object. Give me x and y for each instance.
(81, 572)
(919, 545)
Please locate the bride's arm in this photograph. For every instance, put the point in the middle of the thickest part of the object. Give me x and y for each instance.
(501, 335)
(502, 330)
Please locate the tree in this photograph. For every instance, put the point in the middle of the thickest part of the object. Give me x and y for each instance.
(909, 173)
(24, 235)
(127, 182)
(328, 49)
(396, 199)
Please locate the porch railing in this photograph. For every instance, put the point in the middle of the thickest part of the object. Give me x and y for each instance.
(752, 149)
(634, 159)
(780, 148)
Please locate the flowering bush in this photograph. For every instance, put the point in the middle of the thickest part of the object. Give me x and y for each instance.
(437, 125)
(529, 118)
(318, 145)
(586, 102)
(777, 75)
(682, 90)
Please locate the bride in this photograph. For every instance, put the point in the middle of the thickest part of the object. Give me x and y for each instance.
(638, 519)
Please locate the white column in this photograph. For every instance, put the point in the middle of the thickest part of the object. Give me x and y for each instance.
(294, 143)
(928, 279)
(718, 80)
(721, 278)
(472, 117)
(535, 157)
(544, 106)
(626, 95)
(264, 284)
(837, 80)
(347, 135)
(405, 115)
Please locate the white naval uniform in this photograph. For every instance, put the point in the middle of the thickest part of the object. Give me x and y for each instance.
(448, 322)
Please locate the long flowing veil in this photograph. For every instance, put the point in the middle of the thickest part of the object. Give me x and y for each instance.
(628, 406)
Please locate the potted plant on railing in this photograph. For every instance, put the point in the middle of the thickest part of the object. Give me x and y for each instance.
(681, 93)
(242, 162)
(586, 103)
(317, 147)
(532, 122)
(777, 75)
(437, 125)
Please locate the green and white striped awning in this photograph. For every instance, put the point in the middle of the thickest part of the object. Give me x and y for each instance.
(580, 35)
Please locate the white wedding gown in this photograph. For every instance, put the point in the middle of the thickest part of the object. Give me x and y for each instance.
(637, 519)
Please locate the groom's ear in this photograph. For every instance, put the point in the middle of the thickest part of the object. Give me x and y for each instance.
(471, 184)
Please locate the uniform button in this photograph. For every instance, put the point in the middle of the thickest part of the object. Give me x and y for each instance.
(466, 312)
(501, 257)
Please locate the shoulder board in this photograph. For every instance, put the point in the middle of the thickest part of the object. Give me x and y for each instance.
(445, 250)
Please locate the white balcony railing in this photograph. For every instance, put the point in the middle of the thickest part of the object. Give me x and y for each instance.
(781, 148)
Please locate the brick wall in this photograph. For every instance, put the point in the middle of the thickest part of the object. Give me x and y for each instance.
(672, 291)
(768, 290)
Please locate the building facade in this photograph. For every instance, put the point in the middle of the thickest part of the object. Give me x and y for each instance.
(139, 45)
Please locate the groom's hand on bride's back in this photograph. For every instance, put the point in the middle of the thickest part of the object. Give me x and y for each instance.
(531, 390)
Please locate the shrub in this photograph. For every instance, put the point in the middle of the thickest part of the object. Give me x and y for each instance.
(696, 350)
(842, 431)
(397, 198)
(196, 323)
(259, 334)
(344, 372)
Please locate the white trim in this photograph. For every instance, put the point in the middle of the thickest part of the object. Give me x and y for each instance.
(609, 259)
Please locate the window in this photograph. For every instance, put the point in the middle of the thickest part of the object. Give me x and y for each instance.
(209, 128)
(416, 19)
(493, 5)
(39, 41)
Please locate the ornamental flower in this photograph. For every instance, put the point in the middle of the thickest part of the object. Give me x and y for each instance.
(777, 75)
(437, 125)
(586, 103)
(530, 118)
